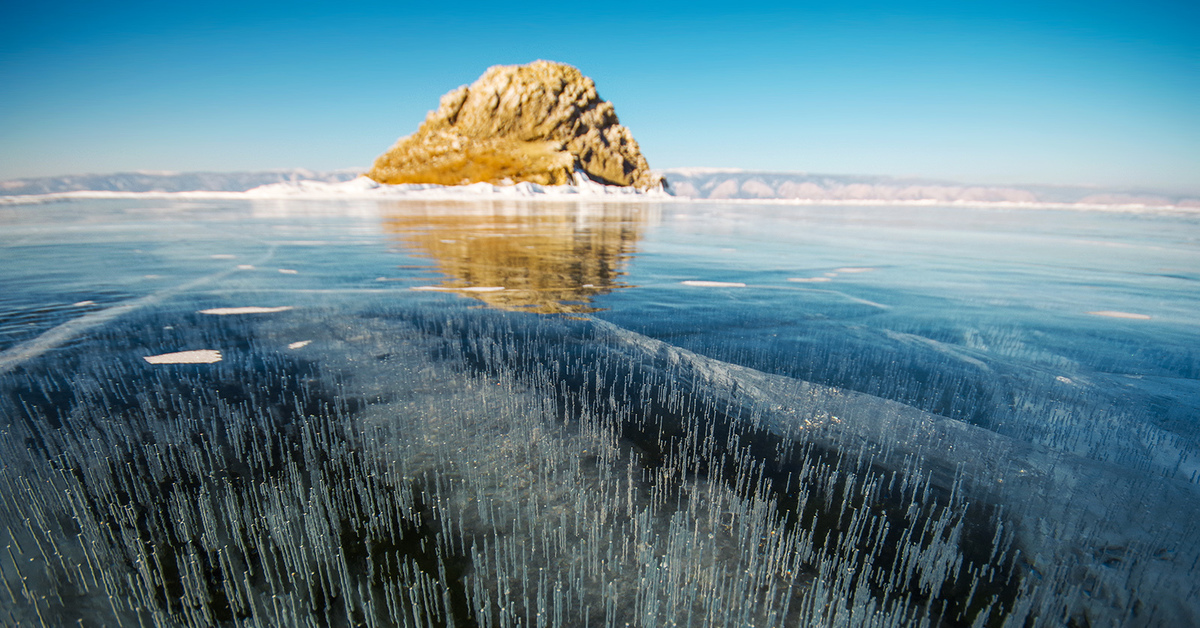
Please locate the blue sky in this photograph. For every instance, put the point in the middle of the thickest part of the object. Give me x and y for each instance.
(1043, 92)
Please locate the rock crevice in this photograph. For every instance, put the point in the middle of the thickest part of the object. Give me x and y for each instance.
(540, 122)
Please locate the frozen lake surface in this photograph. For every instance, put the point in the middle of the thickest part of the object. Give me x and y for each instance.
(569, 413)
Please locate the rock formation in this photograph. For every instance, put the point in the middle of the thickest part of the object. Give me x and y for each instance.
(541, 123)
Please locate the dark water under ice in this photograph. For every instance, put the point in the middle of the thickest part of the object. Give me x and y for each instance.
(497, 413)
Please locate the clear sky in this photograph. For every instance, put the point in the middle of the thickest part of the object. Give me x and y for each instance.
(1088, 92)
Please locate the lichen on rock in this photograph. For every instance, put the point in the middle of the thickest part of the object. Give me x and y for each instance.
(540, 122)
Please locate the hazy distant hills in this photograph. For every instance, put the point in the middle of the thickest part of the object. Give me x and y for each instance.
(700, 183)
(167, 181)
(714, 183)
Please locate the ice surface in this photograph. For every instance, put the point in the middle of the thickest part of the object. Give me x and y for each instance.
(954, 438)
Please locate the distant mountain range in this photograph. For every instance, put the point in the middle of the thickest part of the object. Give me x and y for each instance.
(167, 181)
(699, 183)
(716, 183)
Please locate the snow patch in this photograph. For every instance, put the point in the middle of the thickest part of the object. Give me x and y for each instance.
(714, 284)
(226, 311)
(1114, 314)
(199, 356)
(363, 187)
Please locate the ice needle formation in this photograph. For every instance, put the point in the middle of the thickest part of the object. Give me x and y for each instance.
(543, 123)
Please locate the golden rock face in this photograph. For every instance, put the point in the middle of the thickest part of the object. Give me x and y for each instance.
(539, 122)
(548, 259)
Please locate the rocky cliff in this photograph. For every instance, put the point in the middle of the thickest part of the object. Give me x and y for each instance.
(540, 122)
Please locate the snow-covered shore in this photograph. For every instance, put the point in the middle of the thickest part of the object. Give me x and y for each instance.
(686, 185)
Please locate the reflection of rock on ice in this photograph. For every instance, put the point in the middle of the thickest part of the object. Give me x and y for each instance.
(548, 258)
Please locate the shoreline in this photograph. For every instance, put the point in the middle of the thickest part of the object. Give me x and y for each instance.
(360, 189)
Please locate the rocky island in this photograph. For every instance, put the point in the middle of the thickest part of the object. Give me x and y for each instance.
(542, 123)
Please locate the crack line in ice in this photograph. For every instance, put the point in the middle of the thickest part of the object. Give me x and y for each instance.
(843, 295)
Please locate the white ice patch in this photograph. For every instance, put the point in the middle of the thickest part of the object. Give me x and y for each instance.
(226, 311)
(1115, 314)
(714, 284)
(288, 271)
(245, 266)
(83, 303)
(199, 356)
(299, 345)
